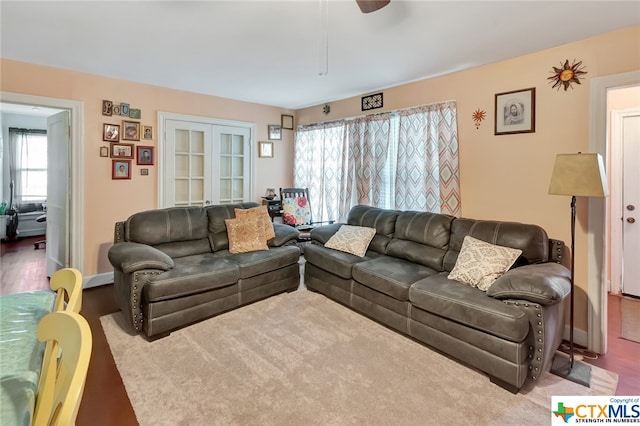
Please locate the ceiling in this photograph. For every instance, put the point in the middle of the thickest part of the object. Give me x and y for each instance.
(268, 52)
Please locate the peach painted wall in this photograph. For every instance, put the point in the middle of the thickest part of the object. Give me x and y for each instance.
(507, 177)
(107, 201)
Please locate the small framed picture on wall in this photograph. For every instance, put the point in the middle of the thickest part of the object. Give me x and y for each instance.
(147, 132)
(110, 132)
(130, 131)
(120, 169)
(144, 155)
(121, 150)
(275, 132)
(515, 112)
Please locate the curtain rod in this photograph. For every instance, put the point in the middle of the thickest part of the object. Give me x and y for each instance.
(16, 129)
(396, 111)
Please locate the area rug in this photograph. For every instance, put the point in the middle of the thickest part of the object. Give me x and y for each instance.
(302, 359)
(630, 321)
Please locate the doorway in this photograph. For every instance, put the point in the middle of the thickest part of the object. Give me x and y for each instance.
(600, 218)
(73, 239)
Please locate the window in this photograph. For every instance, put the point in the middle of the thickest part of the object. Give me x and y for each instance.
(406, 160)
(28, 165)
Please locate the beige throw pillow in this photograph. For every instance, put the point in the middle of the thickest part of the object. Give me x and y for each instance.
(352, 239)
(245, 235)
(261, 213)
(480, 263)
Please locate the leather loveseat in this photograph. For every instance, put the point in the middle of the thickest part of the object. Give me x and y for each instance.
(173, 267)
(510, 332)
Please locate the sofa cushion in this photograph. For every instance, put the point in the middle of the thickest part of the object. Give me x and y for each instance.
(216, 215)
(480, 263)
(390, 275)
(531, 239)
(177, 231)
(545, 283)
(469, 306)
(384, 222)
(192, 274)
(337, 262)
(260, 262)
(261, 213)
(296, 211)
(246, 234)
(421, 237)
(351, 239)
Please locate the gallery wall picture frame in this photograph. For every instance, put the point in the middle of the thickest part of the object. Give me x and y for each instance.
(275, 132)
(265, 149)
(515, 112)
(124, 109)
(144, 172)
(120, 169)
(104, 151)
(130, 131)
(110, 132)
(286, 121)
(121, 150)
(135, 113)
(147, 132)
(144, 155)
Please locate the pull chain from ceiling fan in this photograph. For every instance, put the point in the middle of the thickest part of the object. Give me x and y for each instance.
(323, 39)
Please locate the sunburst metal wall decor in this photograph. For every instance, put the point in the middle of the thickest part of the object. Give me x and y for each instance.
(478, 116)
(567, 75)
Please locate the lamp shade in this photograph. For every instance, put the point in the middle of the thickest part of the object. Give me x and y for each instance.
(579, 174)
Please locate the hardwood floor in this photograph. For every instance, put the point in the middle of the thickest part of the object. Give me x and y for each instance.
(105, 401)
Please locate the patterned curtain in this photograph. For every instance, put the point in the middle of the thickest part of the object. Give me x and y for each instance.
(369, 142)
(427, 175)
(405, 160)
(320, 164)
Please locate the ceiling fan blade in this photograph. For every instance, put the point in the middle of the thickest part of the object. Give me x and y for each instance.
(367, 6)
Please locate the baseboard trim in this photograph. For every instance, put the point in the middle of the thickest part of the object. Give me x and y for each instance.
(97, 280)
(580, 337)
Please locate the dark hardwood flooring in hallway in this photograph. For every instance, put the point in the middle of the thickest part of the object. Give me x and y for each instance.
(105, 401)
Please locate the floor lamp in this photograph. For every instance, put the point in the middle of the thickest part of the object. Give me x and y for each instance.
(577, 175)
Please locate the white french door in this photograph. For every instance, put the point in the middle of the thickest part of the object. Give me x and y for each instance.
(203, 162)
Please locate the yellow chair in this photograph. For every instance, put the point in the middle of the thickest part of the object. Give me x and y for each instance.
(64, 370)
(68, 285)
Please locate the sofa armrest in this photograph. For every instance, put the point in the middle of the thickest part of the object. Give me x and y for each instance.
(284, 234)
(130, 257)
(543, 283)
(322, 234)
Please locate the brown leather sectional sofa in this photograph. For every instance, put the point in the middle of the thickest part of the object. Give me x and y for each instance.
(509, 332)
(172, 267)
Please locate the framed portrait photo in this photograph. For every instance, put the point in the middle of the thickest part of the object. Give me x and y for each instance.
(110, 132)
(120, 169)
(265, 149)
(130, 131)
(147, 132)
(515, 112)
(104, 151)
(275, 132)
(121, 150)
(144, 155)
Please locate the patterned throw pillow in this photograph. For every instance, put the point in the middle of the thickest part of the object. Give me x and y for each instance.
(295, 211)
(245, 235)
(260, 213)
(480, 263)
(352, 239)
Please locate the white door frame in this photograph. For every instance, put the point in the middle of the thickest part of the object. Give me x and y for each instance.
(617, 209)
(598, 218)
(76, 108)
(163, 116)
